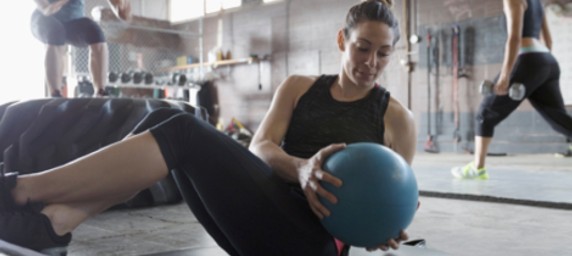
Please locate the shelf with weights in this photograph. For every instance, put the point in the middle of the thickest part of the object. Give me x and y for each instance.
(145, 80)
(153, 86)
(190, 69)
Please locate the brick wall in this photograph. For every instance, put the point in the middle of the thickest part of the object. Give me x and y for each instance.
(299, 38)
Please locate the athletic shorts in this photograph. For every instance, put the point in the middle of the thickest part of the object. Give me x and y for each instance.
(80, 32)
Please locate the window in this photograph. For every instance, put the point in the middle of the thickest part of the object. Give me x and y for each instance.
(228, 4)
(218, 5)
(184, 10)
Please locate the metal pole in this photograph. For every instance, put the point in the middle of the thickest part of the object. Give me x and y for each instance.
(201, 49)
(409, 64)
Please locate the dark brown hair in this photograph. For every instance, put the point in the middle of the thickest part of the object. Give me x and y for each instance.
(372, 10)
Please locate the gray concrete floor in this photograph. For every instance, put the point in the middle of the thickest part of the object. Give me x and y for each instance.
(524, 209)
(537, 179)
(455, 227)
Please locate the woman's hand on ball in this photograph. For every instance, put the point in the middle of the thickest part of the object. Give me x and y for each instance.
(311, 173)
(392, 243)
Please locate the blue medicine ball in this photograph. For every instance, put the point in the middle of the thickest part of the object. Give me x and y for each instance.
(378, 197)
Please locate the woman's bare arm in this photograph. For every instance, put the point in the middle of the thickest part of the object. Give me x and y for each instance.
(400, 131)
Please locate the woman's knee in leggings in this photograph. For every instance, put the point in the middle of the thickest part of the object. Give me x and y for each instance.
(486, 122)
(176, 137)
(180, 125)
(155, 117)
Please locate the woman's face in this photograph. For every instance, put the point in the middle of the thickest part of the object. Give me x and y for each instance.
(366, 51)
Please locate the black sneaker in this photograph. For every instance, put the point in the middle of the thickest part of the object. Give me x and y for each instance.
(33, 230)
(25, 225)
(56, 94)
(102, 93)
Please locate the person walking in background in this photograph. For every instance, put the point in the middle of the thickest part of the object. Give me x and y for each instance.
(57, 23)
(527, 60)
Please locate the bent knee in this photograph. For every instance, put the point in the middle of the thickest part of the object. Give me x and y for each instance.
(98, 47)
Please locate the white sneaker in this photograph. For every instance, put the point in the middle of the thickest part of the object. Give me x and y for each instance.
(469, 171)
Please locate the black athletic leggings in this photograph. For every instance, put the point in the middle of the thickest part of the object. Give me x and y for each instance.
(540, 74)
(241, 203)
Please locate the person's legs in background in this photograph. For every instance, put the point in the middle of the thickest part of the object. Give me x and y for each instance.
(540, 74)
(549, 103)
(54, 63)
(492, 111)
(84, 32)
(98, 66)
(481, 150)
(52, 33)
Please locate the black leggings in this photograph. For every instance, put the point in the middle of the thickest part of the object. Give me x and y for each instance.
(237, 198)
(540, 74)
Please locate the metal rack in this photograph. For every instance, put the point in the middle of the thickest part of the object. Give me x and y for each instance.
(125, 56)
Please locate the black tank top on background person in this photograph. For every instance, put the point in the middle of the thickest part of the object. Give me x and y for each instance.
(319, 120)
(533, 17)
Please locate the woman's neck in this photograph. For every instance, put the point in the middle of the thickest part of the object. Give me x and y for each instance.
(345, 89)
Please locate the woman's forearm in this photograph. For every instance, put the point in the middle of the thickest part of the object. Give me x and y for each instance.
(510, 55)
(286, 166)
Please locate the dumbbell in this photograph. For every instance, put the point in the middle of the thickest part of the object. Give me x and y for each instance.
(112, 77)
(517, 91)
(112, 91)
(137, 77)
(84, 88)
(179, 79)
(182, 80)
(125, 77)
(148, 77)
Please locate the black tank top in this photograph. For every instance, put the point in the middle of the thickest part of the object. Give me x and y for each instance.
(533, 17)
(318, 120)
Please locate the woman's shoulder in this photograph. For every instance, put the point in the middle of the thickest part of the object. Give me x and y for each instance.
(294, 86)
(396, 111)
(298, 82)
(400, 131)
(301, 79)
